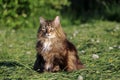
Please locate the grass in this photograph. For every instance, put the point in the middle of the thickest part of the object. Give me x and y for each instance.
(17, 52)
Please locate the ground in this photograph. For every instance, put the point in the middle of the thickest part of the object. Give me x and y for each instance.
(97, 42)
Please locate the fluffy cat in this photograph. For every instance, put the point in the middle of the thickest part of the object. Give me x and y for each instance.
(54, 51)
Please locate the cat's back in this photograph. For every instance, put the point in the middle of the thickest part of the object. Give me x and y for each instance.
(70, 46)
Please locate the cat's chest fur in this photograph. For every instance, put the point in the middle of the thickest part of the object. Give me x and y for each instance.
(47, 45)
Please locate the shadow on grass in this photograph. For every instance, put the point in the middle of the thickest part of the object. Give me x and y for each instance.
(14, 64)
(10, 64)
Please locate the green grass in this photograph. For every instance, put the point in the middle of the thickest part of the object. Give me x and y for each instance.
(17, 52)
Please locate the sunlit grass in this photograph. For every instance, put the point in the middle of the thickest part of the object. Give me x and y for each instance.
(101, 39)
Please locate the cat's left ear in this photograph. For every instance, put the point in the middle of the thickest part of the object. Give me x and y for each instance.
(56, 21)
(42, 20)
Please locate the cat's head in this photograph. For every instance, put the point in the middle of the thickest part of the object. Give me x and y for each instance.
(50, 28)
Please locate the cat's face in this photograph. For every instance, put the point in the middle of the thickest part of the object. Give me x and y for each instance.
(47, 28)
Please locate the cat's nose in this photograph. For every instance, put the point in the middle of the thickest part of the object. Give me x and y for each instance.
(48, 31)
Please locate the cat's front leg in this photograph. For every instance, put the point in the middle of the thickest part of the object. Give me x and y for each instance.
(39, 64)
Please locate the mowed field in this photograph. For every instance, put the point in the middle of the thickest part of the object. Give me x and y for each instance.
(98, 45)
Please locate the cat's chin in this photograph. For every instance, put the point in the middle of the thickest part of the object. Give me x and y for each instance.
(49, 37)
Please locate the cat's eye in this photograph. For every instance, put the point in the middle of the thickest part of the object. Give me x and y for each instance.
(52, 29)
(43, 29)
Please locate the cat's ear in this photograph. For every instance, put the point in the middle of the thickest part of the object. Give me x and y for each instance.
(57, 21)
(42, 20)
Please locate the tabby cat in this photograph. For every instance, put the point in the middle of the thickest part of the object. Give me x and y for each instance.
(54, 51)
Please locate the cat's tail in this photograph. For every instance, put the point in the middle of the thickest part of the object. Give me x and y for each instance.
(80, 65)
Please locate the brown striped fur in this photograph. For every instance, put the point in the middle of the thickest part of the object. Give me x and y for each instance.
(54, 51)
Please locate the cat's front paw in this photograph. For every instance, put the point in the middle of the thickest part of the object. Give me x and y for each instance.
(56, 69)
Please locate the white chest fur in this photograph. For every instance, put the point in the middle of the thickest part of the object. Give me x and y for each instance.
(46, 45)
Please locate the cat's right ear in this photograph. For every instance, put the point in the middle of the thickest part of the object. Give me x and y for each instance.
(57, 21)
(42, 20)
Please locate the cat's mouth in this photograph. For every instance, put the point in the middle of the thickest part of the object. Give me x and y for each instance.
(49, 35)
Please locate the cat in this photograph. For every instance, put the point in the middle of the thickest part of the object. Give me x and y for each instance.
(54, 51)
